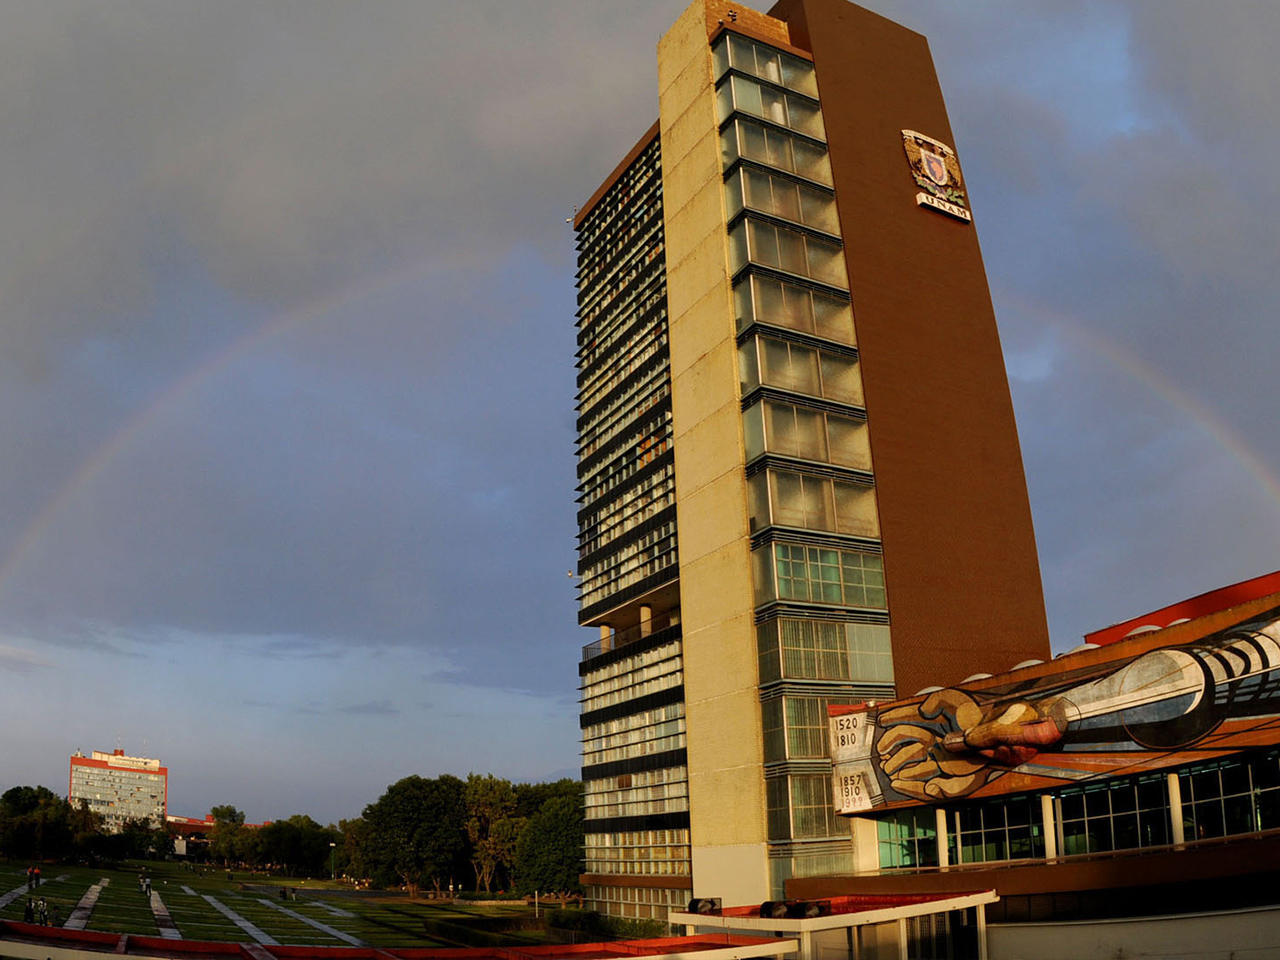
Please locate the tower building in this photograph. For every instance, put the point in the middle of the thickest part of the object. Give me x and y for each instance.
(800, 483)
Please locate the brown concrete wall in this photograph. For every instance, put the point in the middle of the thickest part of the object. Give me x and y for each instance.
(960, 560)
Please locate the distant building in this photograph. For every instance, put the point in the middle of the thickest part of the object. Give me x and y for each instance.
(119, 787)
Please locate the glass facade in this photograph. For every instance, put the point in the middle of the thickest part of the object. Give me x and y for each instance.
(626, 471)
(1223, 798)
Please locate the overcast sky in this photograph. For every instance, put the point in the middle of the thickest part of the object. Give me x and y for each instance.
(286, 373)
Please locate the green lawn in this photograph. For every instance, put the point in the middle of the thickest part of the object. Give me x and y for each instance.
(388, 920)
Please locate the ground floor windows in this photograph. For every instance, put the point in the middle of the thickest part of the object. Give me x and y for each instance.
(908, 838)
(1221, 798)
(640, 903)
(1117, 815)
(1241, 795)
(1005, 829)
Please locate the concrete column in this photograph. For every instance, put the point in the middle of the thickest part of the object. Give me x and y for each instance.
(1049, 824)
(646, 620)
(941, 815)
(982, 931)
(1177, 830)
(806, 945)
(606, 637)
(902, 939)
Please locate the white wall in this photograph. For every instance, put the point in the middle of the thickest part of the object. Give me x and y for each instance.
(1222, 935)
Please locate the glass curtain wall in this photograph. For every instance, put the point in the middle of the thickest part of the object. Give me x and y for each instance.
(811, 493)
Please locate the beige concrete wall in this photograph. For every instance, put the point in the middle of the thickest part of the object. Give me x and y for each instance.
(726, 785)
(1203, 936)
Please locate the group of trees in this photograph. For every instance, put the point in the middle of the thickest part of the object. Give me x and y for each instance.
(482, 832)
(37, 824)
(525, 837)
(296, 846)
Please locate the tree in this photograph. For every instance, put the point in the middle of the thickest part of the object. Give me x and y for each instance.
(530, 797)
(415, 830)
(492, 826)
(549, 851)
(227, 840)
(35, 823)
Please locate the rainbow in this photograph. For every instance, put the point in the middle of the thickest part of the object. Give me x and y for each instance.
(137, 426)
(1090, 341)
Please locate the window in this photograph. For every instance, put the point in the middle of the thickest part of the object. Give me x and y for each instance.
(786, 499)
(763, 300)
(781, 197)
(753, 241)
(824, 650)
(819, 575)
(747, 140)
(800, 369)
(799, 807)
(908, 838)
(759, 60)
(792, 431)
(1241, 795)
(1119, 815)
(1004, 829)
(795, 728)
(739, 94)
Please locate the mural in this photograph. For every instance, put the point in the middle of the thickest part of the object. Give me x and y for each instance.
(1161, 707)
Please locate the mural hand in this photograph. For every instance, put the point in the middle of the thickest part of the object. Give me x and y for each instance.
(912, 749)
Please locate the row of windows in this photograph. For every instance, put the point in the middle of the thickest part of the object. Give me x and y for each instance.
(621, 415)
(610, 304)
(640, 348)
(747, 140)
(641, 444)
(602, 341)
(634, 794)
(657, 732)
(795, 728)
(793, 649)
(759, 60)
(639, 903)
(764, 300)
(799, 368)
(653, 553)
(787, 499)
(752, 189)
(634, 726)
(819, 575)
(654, 680)
(602, 329)
(1223, 798)
(741, 95)
(600, 261)
(603, 279)
(768, 245)
(638, 852)
(599, 221)
(631, 670)
(618, 471)
(799, 807)
(646, 499)
(793, 431)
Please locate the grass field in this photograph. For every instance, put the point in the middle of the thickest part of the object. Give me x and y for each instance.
(389, 920)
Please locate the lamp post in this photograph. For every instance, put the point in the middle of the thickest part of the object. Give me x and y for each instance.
(333, 849)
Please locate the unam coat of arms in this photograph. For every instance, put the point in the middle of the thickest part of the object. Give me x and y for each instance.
(936, 169)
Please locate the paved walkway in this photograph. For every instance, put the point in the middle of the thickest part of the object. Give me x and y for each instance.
(16, 892)
(336, 911)
(84, 909)
(239, 921)
(322, 927)
(168, 929)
